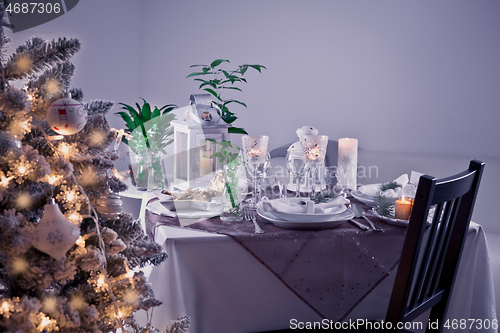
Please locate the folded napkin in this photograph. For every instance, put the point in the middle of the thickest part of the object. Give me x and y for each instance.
(401, 181)
(374, 189)
(298, 208)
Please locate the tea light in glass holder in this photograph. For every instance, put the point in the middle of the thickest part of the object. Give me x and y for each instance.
(314, 152)
(254, 148)
(402, 208)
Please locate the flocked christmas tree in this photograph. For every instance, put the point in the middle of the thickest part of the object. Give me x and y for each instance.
(68, 262)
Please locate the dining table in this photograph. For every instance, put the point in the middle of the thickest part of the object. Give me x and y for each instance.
(227, 278)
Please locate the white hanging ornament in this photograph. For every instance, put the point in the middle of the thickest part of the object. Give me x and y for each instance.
(66, 116)
(55, 234)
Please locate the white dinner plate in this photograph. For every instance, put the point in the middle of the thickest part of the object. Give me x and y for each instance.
(303, 217)
(366, 193)
(332, 222)
(398, 222)
(157, 208)
(403, 223)
(364, 198)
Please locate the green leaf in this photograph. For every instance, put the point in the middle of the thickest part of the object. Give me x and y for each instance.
(195, 74)
(243, 69)
(130, 110)
(257, 67)
(146, 111)
(208, 83)
(205, 70)
(236, 130)
(156, 113)
(213, 93)
(234, 101)
(211, 140)
(217, 62)
(219, 155)
(127, 119)
(229, 118)
(197, 66)
(234, 88)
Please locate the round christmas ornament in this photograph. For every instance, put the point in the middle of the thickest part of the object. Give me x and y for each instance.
(109, 205)
(55, 234)
(66, 116)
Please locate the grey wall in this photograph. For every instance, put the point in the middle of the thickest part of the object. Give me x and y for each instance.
(420, 76)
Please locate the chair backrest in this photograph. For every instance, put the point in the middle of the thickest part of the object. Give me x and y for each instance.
(426, 275)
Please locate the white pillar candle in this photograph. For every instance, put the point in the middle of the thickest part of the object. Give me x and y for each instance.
(348, 161)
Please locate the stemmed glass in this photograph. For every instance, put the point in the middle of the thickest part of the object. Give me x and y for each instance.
(296, 166)
(314, 151)
(254, 153)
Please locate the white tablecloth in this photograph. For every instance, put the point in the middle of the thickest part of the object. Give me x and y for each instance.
(222, 288)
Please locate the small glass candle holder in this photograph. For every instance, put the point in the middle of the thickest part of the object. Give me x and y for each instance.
(254, 153)
(314, 152)
(402, 208)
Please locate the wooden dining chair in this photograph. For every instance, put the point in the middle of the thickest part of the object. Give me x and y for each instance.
(426, 273)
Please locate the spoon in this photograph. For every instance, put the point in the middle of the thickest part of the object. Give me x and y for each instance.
(356, 223)
(360, 212)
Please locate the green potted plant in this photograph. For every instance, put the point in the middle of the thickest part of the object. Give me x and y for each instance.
(214, 80)
(150, 133)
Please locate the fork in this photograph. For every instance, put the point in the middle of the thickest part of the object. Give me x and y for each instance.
(249, 214)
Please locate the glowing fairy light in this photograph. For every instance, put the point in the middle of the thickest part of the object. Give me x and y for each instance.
(101, 281)
(53, 87)
(75, 218)
(23, 201)
(24, 63)
(71, 198)
(80, 242)
(4, 181)
(45, 323)
(53, 179)
(20, 125)
(19, 265)
(77, 302)
(4, 308)
(49, 304)
(131, 296)
(20, 169)
(97, 138)
(118, 175)
(88, 177)
(68, 149)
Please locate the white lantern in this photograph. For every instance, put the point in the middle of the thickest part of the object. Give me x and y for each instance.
(193, 165)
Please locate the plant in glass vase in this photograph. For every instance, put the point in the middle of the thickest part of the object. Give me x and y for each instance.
(149, 134)
(220, 80)
(230, 159)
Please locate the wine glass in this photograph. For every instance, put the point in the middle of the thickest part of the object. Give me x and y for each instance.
(254, 153)
(296, 166)
(314, 152)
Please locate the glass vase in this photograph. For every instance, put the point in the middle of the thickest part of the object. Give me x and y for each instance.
(155, 173)
(231, 196)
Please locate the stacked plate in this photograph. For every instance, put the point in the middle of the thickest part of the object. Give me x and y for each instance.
(332, 217)
(366, 193)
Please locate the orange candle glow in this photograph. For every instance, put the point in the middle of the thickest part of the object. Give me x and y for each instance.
(403, 208)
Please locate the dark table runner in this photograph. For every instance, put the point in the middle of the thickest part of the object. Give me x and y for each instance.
(331, 270)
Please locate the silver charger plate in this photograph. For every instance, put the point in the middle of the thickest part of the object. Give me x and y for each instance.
(330, 223)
